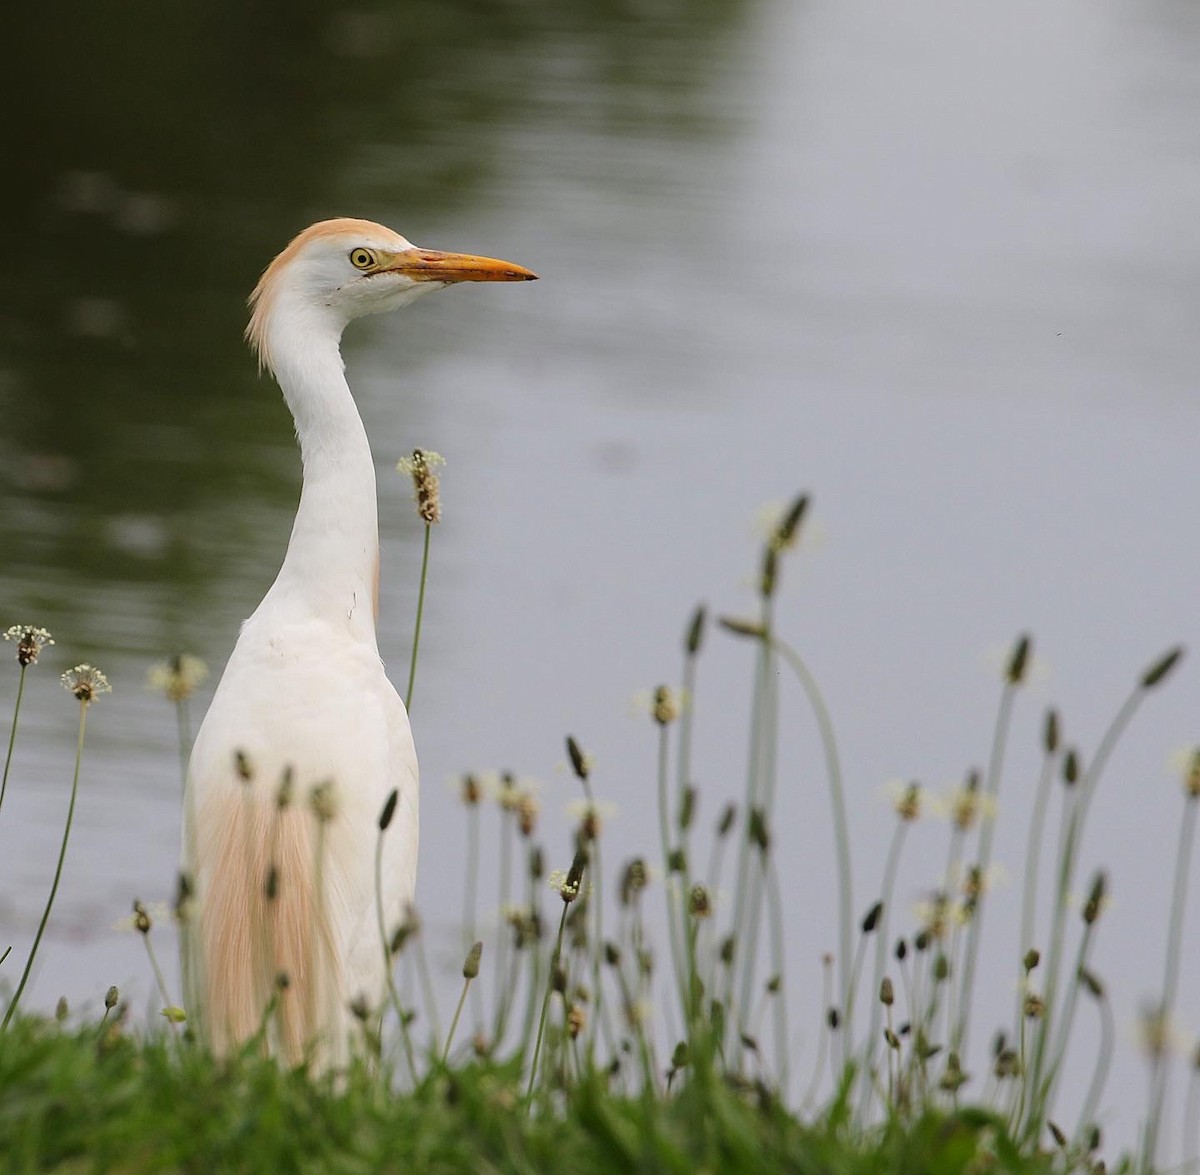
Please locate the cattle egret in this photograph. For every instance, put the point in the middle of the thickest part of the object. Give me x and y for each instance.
(306, 737)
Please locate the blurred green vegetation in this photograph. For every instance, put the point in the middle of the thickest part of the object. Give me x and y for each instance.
(86, 1101)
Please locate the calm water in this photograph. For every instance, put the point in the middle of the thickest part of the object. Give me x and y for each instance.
(936, 265)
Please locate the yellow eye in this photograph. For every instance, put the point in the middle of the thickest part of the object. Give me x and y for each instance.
(362, 258)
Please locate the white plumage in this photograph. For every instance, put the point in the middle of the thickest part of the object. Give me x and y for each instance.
(305, 698)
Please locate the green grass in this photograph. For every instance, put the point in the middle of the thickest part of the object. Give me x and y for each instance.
(95, 1100)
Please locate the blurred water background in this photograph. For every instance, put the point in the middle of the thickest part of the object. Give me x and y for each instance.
(936, 263)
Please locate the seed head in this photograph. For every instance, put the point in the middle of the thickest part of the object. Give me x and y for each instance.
(182, 909)
(1155, 1032)
(665, 708)
(886, 995)
(1095, 899)
(323, 802)
(1191, 778)
(633, 880)
(1034, 1006)
(1050, 732)
(1032, 958)
(141, 918)
(687, 807)
(471, 963)
(1018, 662)
(728, 816)
(86, 682)
(695, 632)
(527, 813)
(1071, 767)
(471, 792)
(426, 483)
(1161, 668)
(871, 920)
(699, 905)
(576, 1020)
(243, 766)
(580, 763)
(567, 885)
(111, 997)
(178, 678)
(742, 627)
(61, 1010)
(389, 810)
(908, 802)
(30, 642)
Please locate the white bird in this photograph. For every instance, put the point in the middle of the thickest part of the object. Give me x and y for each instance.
(283, 888)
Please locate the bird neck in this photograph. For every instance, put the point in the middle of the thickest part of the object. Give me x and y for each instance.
(331, 570)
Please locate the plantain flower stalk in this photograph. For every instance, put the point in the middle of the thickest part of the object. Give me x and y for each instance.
(427, 488)
(30, 641)
(86, 683)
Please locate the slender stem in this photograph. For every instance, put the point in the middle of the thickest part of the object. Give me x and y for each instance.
(750, 803)
(837, 799)
(675, 932)
(471, 891)
(597, 901)
(823, 1045)
(412, 667)
(537, 1047)
(62, 853)
(960, 1028)
(12, 736)
(184, 731)
(426, 979)
(775, 908)
(1033, 856)
(1072, 834)
(462, 999)
(501, 1009)
(159, 979)
(765, 741)
(1158, 1081)
(887, 895)
(1045, 1094)
(389, 969)
(1100, 1075)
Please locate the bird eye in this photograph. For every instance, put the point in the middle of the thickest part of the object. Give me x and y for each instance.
(362, 258)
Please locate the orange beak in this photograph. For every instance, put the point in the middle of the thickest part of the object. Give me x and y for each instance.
(430, 265)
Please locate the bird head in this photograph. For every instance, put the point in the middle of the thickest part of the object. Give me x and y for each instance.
(339, 270)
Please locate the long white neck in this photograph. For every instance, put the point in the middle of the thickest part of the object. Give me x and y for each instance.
(332, 564)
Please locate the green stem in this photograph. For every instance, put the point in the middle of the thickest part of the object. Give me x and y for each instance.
(537, 1047)
(12, 737)
(1033, 855)
(412, 668)
(183, 729)
(1100, 1076)
(388, 962)
(961, 1026)
(462, 999)
(887, 893)
(62, 854)
(674, 931)
(837, 799)
(1158, 1081)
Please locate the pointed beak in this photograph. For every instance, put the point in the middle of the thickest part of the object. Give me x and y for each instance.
(430, 265)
